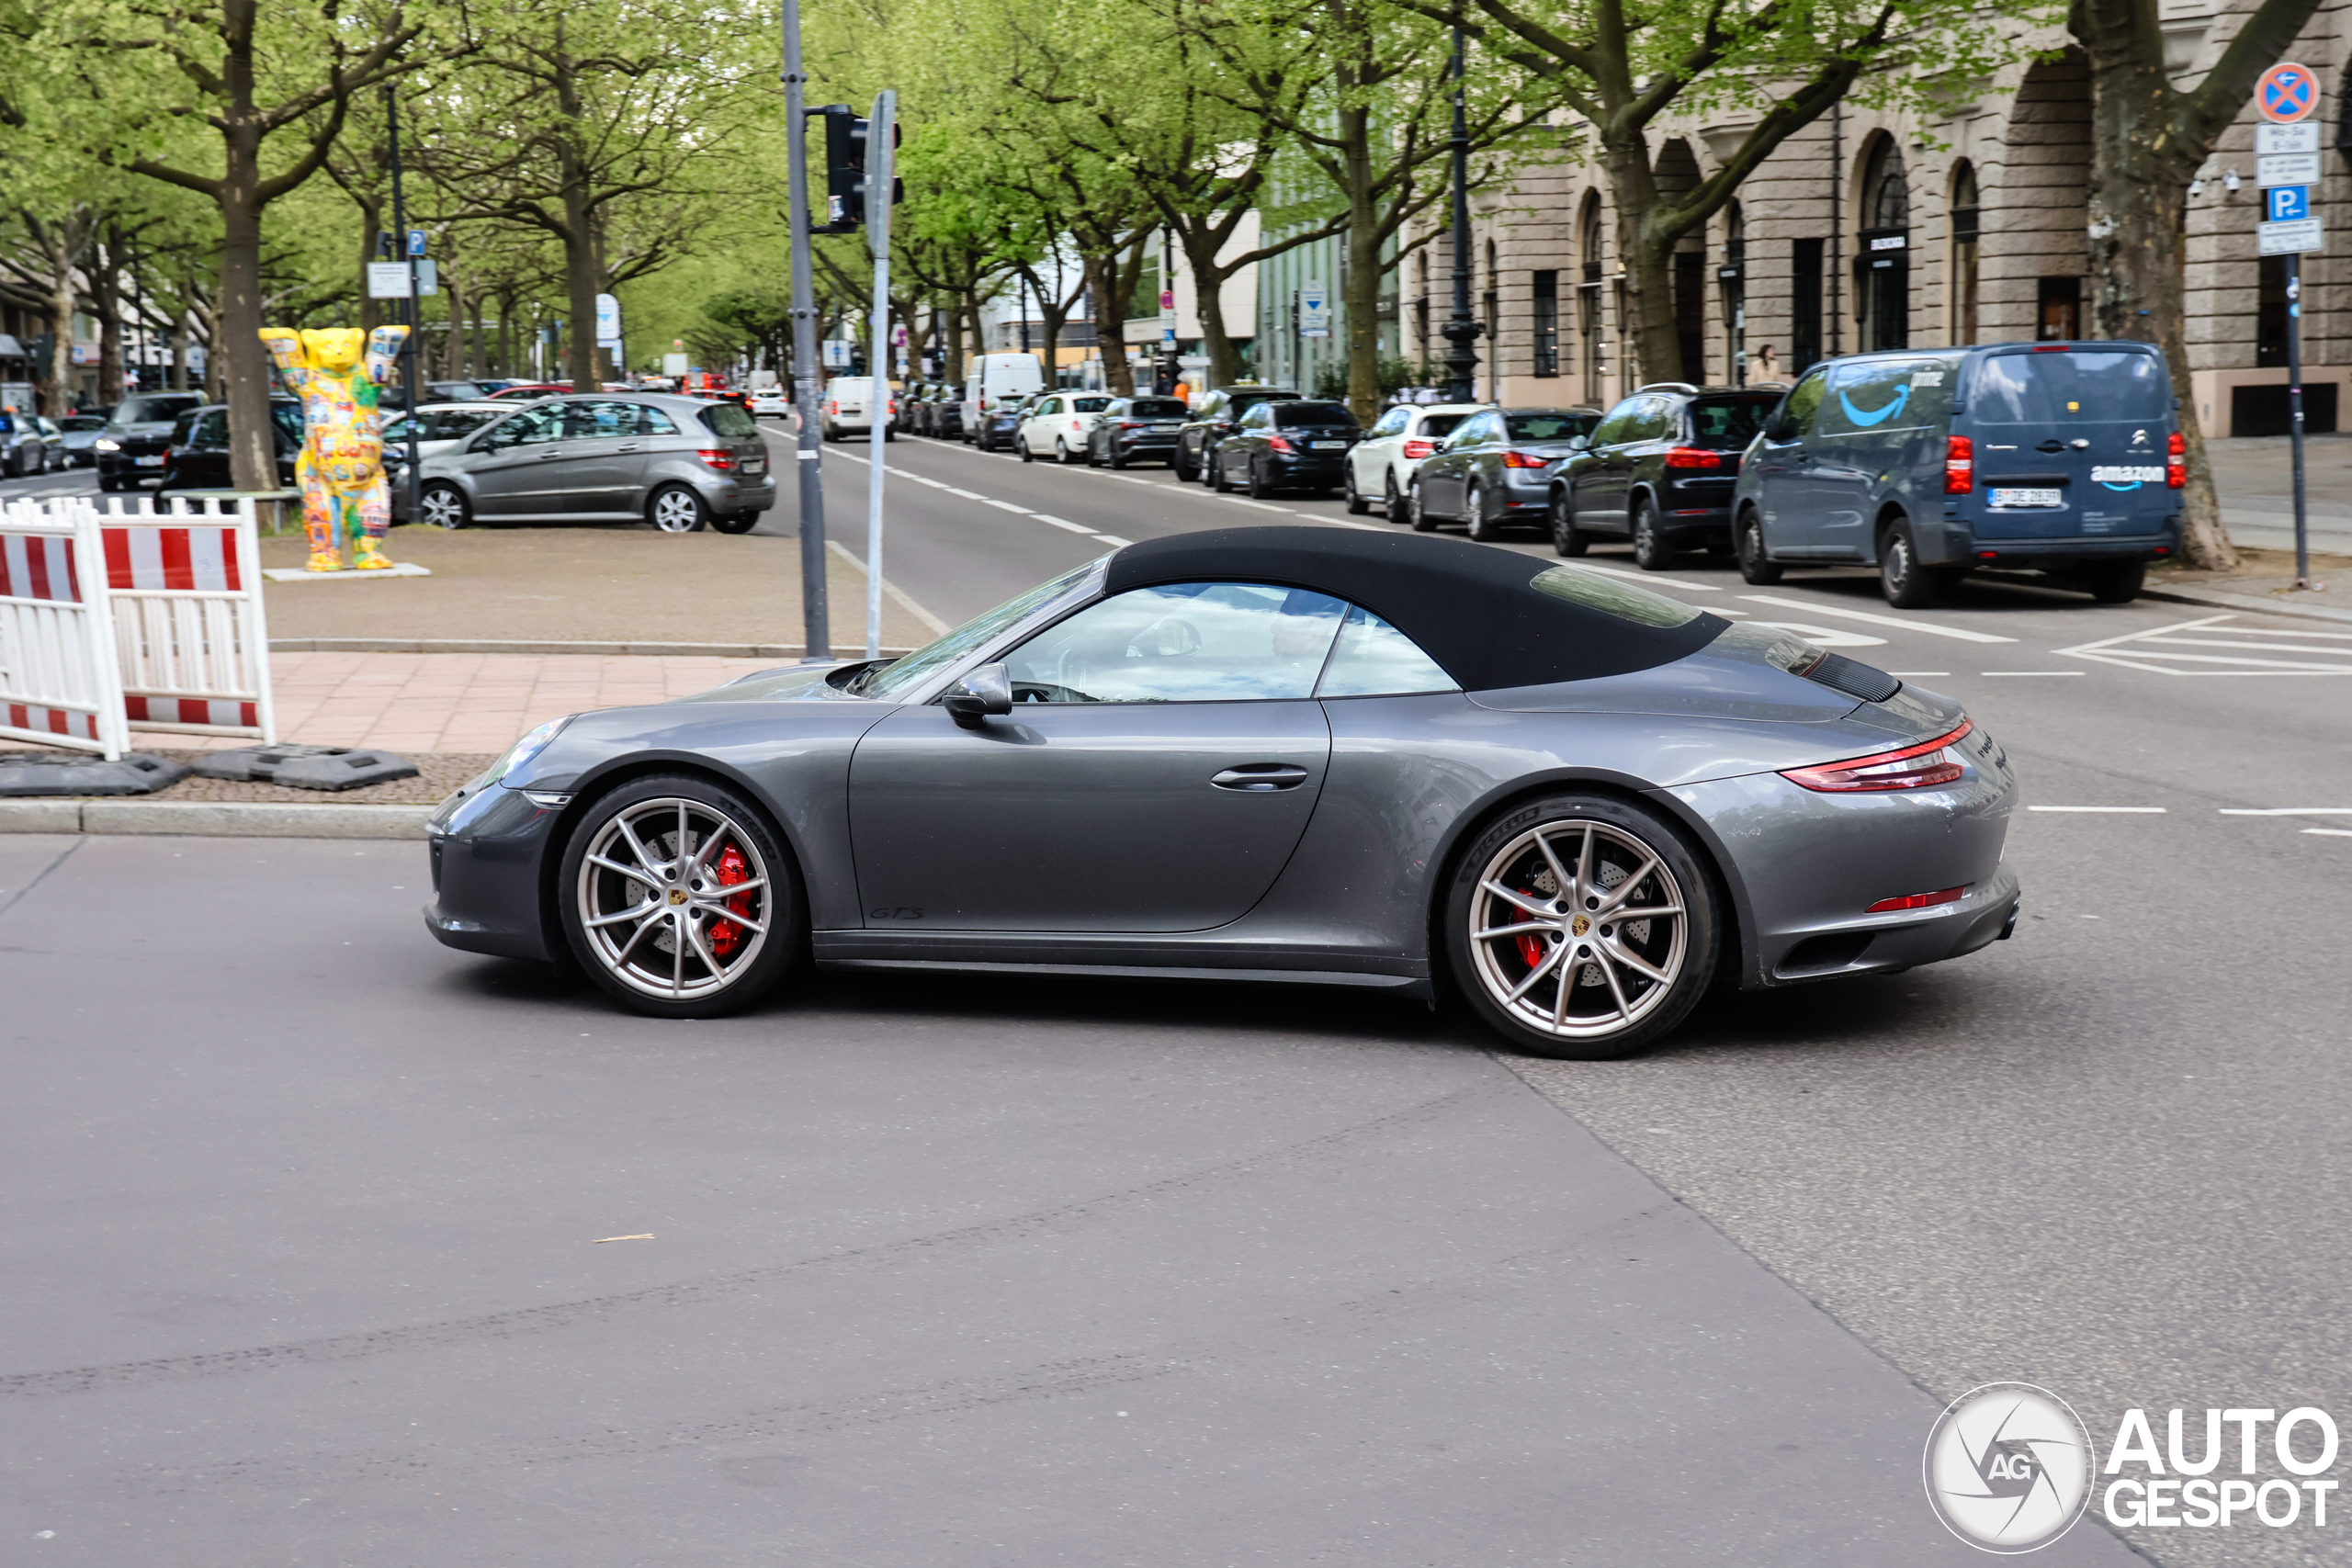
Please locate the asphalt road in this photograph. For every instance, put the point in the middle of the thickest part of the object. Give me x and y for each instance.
(304, 1211)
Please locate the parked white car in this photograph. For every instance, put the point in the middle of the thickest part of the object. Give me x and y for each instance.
(992, 378)
(846, 408)
(771, 402)
(1381, 467)
(440, 427)
(1057, 426)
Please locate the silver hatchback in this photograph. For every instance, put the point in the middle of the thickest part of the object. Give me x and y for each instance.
(678, 463)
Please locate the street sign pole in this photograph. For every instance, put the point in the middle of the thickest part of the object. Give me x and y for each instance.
(2295, 412)
(2287, 165)
(408, 306)
(816, 636)
(879, 161)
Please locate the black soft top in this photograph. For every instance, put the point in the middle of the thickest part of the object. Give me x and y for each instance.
(1471, 607)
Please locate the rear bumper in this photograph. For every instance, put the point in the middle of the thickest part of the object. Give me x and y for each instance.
(1959, 545)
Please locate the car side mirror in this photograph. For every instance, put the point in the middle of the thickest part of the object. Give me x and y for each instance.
(1579, 442)
(1782, 428)
(985, 691)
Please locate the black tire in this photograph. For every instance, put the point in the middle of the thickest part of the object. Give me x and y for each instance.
(1566, 538)
(1212, 465)
(444, 506)
(1903, 582)
(1747, 545)
(1482, 528)
(1092, 460)
(1021, 441)
(1062, 453)
(1357, 504)
(676, 509)
(1113, 458)
(1604, 1020)
(774, 953)
(1652, 551)
(1415, 512)
(735, 522)
(1185, 472)
(1258, 489)
(1393, 507)
(2116, 584)
(108, 483)
(1217, 478)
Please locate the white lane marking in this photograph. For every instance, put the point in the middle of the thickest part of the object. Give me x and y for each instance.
(967, 494)
(1243, 500)
(2152, 650)
(2124, 810)
(896, 594)
(1919, 674)
(1115, 539)
(2032, 671)
(1655, 578)
(1063, 523)
(1003, 505)
(2330, 832)
(1823, 637)
(1963, 633)
(2288, 811)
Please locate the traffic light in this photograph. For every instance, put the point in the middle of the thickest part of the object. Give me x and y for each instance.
(845, 138)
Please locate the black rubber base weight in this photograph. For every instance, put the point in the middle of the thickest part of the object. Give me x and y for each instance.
(307, 767)
(70, 773)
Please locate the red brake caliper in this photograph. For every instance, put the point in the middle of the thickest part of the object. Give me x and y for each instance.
(725, 935)
(1531, 944)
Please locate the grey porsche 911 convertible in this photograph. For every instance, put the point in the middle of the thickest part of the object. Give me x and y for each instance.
(1289, 753)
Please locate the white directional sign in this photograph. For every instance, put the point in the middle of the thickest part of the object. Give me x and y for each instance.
(1314, 310)
(389, 281)
(2293, 237)
(2270, 139)
(2287, 169)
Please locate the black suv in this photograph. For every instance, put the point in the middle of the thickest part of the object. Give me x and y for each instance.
(1214, 417)
(1660, 470)
(198, 458)
(1286, 444)
(1135, 427)
(130, 448)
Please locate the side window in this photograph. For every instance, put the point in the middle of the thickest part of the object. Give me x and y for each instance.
(288, 419)
(1186, 642)
(1870, 398)
(1805, 402)
(1652, 419)
(601, 418)
(1210, 406)
(1373, 659)
(212, 430)
(1391, 424)
(540, 422)
(1259, 417)
(1615, 425)
(651, 421)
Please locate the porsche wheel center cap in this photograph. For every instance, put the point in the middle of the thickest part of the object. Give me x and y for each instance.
(677, 895)
(1581, 925)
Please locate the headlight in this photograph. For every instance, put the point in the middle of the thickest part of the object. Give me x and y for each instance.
(530, 746)
(107, 443)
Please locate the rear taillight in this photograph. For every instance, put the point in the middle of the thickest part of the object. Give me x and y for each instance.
(1917, 901)
(1525, 460)
(1078, 424)
(716, 457)
(2175, 461)
(1130, 425)
(1960, 465)
(1693, 457)
(1915, 767)
(1281, 443)
(1418, 449)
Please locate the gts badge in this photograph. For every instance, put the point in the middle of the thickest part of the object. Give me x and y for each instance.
(901, 912)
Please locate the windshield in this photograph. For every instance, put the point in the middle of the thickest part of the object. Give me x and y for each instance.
(885, 680)
(729, 420)
(1439, 425)
(1156, 408)
(156, 411)
(82, 422)
(1088, 405)
(1294, 414)
(2040, 388)
(1550, 426)
(1728, 424)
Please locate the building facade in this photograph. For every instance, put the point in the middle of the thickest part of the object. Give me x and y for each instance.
(1877, 229)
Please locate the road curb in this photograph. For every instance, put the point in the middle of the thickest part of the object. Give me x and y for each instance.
(2214, 598)
(213, 818)
(475, 644)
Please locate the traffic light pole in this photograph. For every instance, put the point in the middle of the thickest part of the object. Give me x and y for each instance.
(816, 636)
(881, 158)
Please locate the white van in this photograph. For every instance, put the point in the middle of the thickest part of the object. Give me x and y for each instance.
(990, 379)
(844, 410)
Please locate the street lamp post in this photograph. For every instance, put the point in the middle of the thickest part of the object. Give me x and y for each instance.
(408, 306)
(1463, 329)
(816, 632)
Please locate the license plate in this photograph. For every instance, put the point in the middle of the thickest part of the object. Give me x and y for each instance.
(1328, 445)
(756, 464)
(2029, 498)
(154, 462)
(1165, 429)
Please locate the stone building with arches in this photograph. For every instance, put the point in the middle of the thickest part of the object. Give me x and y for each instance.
(1873, 229)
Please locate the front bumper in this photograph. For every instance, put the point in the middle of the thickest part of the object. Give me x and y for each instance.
(488, 846)
(123, 464)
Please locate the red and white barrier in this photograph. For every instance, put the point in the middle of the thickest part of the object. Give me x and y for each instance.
(60, 682)
(190, 638)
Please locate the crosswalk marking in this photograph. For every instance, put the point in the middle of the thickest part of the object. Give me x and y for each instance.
(2258, 651)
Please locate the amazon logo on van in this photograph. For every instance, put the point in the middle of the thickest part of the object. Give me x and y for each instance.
(2125, 476)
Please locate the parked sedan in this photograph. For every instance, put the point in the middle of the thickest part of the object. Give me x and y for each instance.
(1214, 415)
(1135, 429)
(1286, 445)
(197, 457)
(1000, 422)
(1495, 470)
(1224, 725)
(80, 446)
(1659, 471)
(679, 463)
(440, 428)
(30, 445)
(1056, 425)
(1381, 467)
(130, 448)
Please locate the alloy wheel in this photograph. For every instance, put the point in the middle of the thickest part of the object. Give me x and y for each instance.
(443, 507)
(674, 898)
(675, 511)
(1578, 930)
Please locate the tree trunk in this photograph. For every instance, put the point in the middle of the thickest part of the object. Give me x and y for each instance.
(1646, 248)
(1208, 304)
(236, 348)
(63, 301)
(578, 273)
(371, 216)
(179, 351)
(453, 352)
(1112, 285)
(1361, 285)
(106, 300)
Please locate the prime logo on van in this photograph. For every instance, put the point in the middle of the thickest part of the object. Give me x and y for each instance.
(2126, 476)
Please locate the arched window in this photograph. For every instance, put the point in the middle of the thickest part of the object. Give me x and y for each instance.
(1886, 194)
(1964, 230)
(1882, 291)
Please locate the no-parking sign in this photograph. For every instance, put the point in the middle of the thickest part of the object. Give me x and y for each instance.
(2286, 93)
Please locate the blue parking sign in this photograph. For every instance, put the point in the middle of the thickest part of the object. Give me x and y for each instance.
(2287, 202)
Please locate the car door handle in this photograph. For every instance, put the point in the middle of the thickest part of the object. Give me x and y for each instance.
(551, 452)
(629, 447)
(1256, 778)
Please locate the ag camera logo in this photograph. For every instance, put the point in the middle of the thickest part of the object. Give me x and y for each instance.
(2008, 1467)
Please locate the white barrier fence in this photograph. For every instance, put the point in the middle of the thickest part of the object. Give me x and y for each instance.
(143, 617)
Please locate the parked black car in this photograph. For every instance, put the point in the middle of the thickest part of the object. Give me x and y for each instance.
(1214, 417)
(999, 424)
(30, 445)
(198, 458)
(130, 448)
(947, 414)
(1495, 470)
(1135, 429)
(1286, 444)
(1660, 469)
